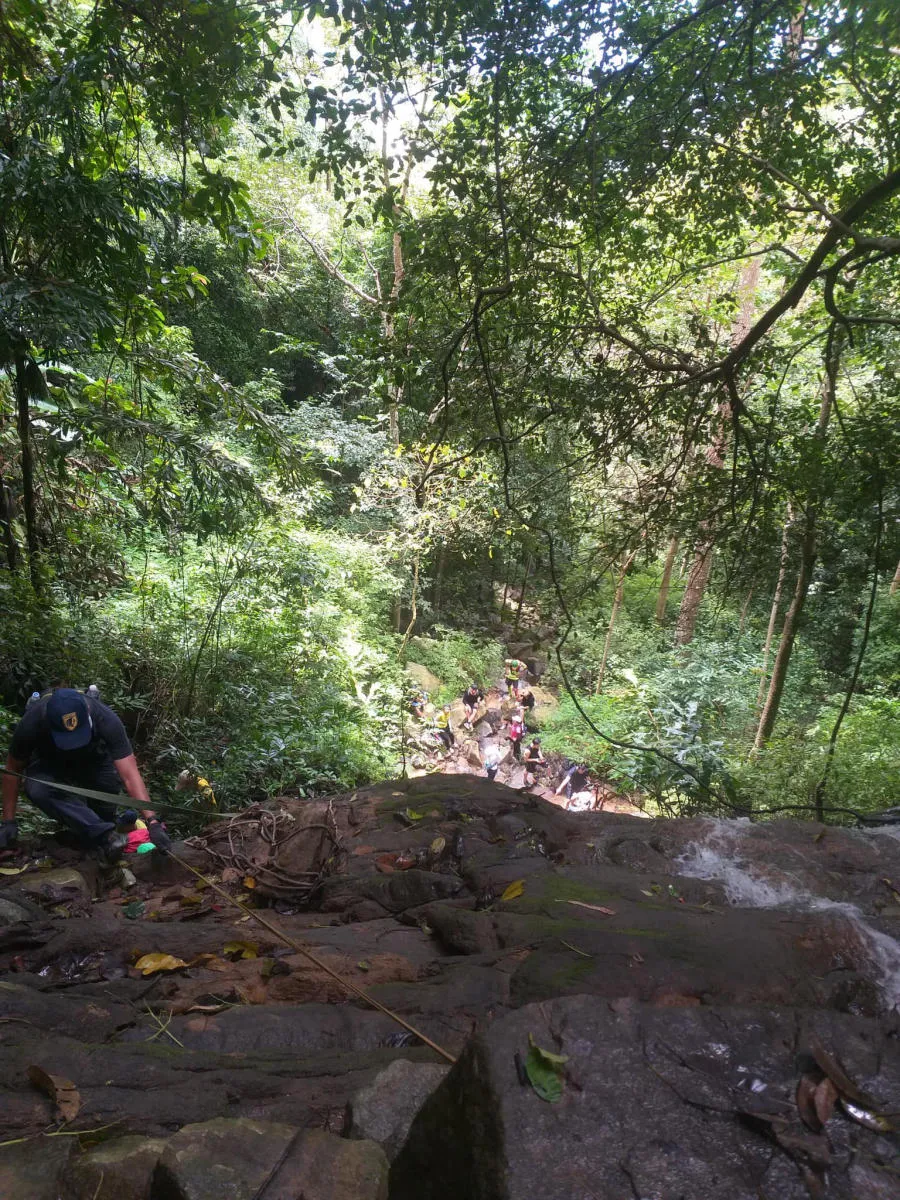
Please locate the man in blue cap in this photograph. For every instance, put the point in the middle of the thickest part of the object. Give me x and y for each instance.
(69, 737)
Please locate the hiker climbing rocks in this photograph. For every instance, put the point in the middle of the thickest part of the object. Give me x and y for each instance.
(515, 671)
(516, 734)
(576, 779)
(444, 728)
(472, 697)
(67, 737)
(491, 762)
(534, 760)
(526, 698)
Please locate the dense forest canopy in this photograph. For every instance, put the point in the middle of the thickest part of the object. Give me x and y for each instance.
(336, 335)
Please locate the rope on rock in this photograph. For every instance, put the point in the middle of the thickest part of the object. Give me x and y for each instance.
(307, 953)
(255, 915)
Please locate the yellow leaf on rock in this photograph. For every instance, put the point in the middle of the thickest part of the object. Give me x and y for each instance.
(149, 964)
(516, 888)
(249, 882)
(241, 949)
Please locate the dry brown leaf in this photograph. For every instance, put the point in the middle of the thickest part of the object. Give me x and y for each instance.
(830, 1066)
(806, 1103)
(607, 912)
(149, 964)
(249, 882)
(61, 1091)
(825, 1099)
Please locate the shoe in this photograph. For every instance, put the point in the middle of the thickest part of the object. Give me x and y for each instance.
(110, 848)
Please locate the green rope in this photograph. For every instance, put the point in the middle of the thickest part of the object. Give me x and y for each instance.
(107, 798)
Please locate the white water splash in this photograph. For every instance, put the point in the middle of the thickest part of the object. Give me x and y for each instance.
(719, 858)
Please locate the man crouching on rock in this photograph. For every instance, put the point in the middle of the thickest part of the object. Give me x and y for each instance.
(67, 737)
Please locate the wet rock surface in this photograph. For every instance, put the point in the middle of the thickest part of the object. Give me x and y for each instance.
(479, 914)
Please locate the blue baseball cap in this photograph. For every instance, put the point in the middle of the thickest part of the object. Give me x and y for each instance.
(69, 719)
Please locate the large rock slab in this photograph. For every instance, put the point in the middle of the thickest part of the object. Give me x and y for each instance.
(384, 1111)
(320, 1166)
(661, 1103)
(32, 1170)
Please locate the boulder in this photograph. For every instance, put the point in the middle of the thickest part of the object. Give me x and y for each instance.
(56, 887)
(16, 909)
(384, 1111)
(32, 1170)
(121, 1169)
(220, 1160)
(654, 1102)
(424, 678)
(321, 1166)
(259, 1160)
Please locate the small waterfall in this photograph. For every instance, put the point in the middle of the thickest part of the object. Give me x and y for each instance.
(718, 858)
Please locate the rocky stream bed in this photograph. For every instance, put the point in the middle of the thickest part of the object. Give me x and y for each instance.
(638, 1009)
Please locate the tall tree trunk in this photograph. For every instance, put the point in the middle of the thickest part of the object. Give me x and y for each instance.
(776, 606)
(895, 582)
(694, 591)
(23, 425)
(715, 457)
(617, 604)
(664, 584)
(807, 551)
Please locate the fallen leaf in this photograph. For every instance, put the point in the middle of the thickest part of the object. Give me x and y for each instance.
(830, 1066)
(544, 1072)
(230, 875)
(411, 814)
(437, 846)
(515, 889)
(236, 950)
(13, 870)
(149, 964)
(191, 898)
(61, 1091)
(806, 1103)
(133, 909)
(825, 1099)
(249, 882)
(607, 912)
(363, 965)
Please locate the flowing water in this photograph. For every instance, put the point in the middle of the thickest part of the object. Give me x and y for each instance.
(719, 858)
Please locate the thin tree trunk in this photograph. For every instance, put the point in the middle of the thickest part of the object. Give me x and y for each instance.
(522, 594)
(895, 582)
(662, 599)
(23, 424)
(437, 594)
(789, 633)
(776, 606)
(848, 695)
(505, 587)
(745, 607)
(6, 520)
(617, 604)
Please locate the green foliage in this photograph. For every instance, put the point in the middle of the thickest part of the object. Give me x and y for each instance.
(457, 659)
